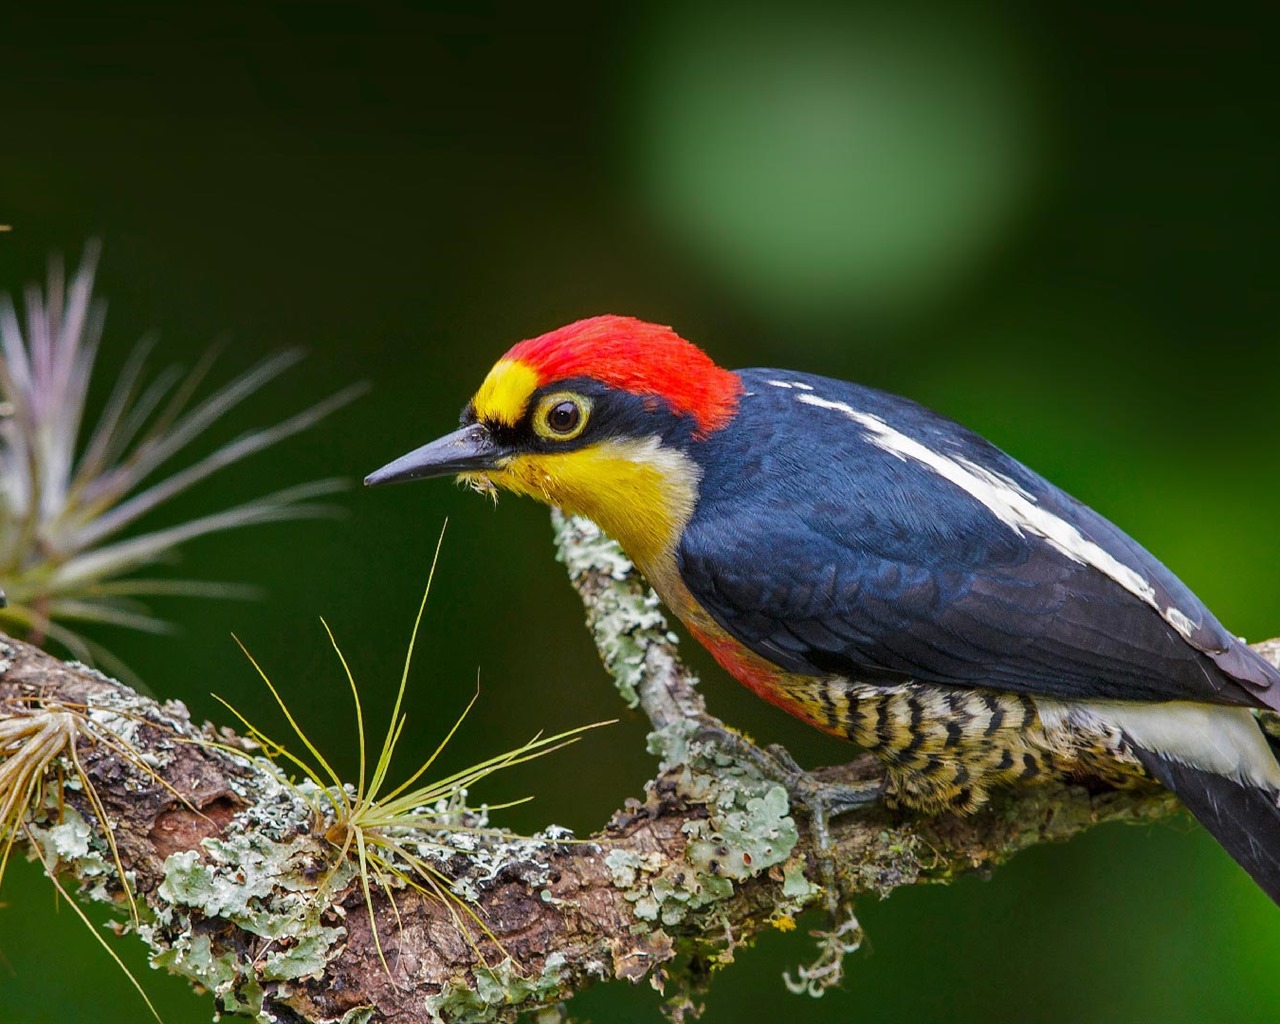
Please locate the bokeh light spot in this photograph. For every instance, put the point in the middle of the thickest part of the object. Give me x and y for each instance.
(858, 161)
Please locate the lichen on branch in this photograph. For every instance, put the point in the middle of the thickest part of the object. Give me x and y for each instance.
(238, 890)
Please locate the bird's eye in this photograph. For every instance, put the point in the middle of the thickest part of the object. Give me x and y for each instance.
(561, 417)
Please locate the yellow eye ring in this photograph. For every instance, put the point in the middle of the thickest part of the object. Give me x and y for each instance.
(561, 416)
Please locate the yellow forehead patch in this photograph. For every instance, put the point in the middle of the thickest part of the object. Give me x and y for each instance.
(505, 392)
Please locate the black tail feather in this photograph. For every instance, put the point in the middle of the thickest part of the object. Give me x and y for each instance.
(1245, 819)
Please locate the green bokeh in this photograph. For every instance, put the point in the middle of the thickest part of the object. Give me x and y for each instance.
(861, 160)
(403, 193)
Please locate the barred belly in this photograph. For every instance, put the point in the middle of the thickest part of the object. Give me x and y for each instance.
(945, 748)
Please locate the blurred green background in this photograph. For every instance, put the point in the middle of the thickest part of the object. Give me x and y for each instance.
(1057, 223)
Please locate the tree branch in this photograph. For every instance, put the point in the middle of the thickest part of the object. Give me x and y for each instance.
(240, 892)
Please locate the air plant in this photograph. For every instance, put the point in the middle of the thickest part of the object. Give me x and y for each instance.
(37, 738)
(386, 827)
(65, 505)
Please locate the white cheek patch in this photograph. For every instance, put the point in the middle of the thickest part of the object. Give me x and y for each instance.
(670, 462)
(1010, 504)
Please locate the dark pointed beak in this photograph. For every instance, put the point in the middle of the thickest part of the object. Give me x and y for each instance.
(469, 450)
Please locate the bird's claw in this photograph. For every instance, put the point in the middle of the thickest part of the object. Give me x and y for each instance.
(820, 801)
(776, 763)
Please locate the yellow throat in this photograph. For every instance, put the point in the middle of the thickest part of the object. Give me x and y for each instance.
(636, 490)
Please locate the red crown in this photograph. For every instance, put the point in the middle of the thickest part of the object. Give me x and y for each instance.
(643, 358)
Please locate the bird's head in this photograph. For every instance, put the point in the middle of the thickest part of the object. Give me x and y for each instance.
(598, 418)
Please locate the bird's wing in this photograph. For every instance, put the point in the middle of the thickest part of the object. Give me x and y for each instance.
(894, 544)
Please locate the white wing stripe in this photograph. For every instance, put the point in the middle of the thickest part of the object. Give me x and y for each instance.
(1010, 504)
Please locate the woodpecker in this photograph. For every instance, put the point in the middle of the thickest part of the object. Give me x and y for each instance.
(884, 574)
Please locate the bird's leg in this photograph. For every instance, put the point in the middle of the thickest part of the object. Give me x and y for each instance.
(823, 801)
(839, 797)
(776, 763)
(820, 800)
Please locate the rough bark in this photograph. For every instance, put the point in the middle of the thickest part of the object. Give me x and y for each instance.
(238, 890)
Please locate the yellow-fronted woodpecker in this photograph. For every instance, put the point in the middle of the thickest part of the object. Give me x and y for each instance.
(884, 574)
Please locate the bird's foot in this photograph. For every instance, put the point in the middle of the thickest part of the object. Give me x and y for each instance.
(819, 800)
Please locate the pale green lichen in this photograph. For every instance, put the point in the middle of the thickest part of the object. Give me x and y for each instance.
(72, 845)
(489, 852)
(262, 875)
(672, 744)
(269, 888)
(270, 874)
(192, 956)
(553, 1014)
(626, 866)
(68, 841)
(244, 877)
(583, 547)
(263, 887)
(72, 842)
(626, 620)
(748, 834)
(749, 829)
(795, 886)
(496, 988)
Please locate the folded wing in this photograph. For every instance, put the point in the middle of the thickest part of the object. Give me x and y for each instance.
(893, 543)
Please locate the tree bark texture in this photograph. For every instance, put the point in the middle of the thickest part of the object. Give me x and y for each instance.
(239, 890)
